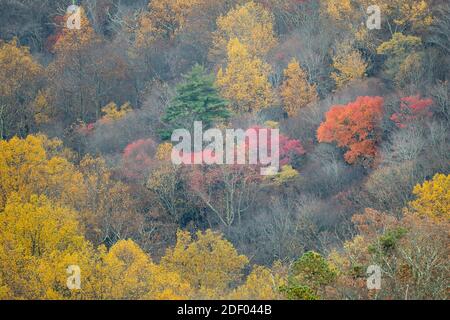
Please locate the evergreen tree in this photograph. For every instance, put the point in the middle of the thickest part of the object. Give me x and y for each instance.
(197, 99)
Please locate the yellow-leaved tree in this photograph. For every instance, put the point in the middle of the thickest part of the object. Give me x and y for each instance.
(43, 110)
(127, 272)
(296, 91)
(261, 284)
(113, 113)
(19, 73)
(433, 197)
(209, 263)
(251, 24)
(403, 57)
(397, 15)
(244, 82)
(163, 19)
(38, 241)
(73, 40)
(349, 65)
(29, 166)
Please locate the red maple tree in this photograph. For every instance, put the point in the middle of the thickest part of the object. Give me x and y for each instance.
(412, 108)
(355, 127)
(138, 157)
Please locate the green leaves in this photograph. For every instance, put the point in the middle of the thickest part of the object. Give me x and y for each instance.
(310, 274)
(197, 99)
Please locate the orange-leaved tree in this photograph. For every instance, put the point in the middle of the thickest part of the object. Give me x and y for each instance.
(412, 109)
(355, 127)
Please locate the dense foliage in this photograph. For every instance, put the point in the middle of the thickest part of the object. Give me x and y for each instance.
(86, 176)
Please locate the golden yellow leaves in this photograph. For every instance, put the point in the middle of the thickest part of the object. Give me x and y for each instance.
(412, 14)
(17, 67)
(164, 151)
(339, 9)
(433, 197)
(42, 108)
(74, 40)
(210, 264)
(207, 267)
(244, 82)
(25, 168)
(5, 293)
(286, 174)
(164, 19)
(416, 13)
(246, 35)
(38, 240)
(37, 226)
(349, 65)
(399, 45)
(113, 112)
(251, 24)
(41, 234)
(296, 92)
(261, 284)
(127, 272)
(145, 32)
(403, 58)
(19, 75)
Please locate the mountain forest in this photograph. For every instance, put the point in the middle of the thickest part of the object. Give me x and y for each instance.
(93, 208)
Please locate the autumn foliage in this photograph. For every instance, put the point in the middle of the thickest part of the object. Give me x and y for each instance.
(359, 177)
(412, 108)
(226, 191)
(244, 81)
(296, 91)
(138, 156)
(433, 198)
(289, 149)
(354, 127)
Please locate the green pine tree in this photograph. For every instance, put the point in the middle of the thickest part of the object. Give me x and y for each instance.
(196, 99)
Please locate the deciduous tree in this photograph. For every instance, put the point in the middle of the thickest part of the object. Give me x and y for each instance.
(138, 158)
(19, 74)
(127, 272)
(412, 109)
(349, 65)
(399, 50)
(355, 127)
(38, 241)
(251, 24)
(296, 91)
(163, 19)
(209, 263)
(26, 167)
(113, 113)
(71, 74)
(244, 82)
(433, 197)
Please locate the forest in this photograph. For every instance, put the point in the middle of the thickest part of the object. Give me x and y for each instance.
(92, 207)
